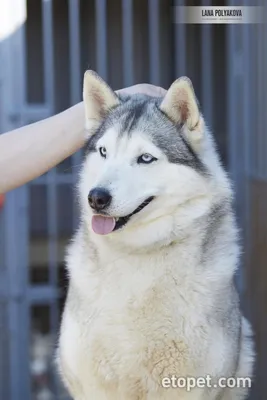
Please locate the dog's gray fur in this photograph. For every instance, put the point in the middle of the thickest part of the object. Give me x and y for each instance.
(142, 113)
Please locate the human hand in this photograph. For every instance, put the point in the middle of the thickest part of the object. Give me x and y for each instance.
(145, 88)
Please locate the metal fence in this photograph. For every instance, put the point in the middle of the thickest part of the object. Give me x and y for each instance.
(50, 45)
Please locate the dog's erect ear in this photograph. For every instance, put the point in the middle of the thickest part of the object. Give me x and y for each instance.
(98, 99)
(180, 105)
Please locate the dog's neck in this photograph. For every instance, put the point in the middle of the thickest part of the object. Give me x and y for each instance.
(211, 237)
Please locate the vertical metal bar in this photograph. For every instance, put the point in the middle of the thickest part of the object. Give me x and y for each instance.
(154, 41)
(48, 35)
(206, 58)
(47, 14)
(16, 221)
(128, 42)
(257, 144)
(19, 16)
(22, 199)
(254, 100)
(75, 52)
(13, 285)
(180, 44)
(75, 77)
(232, 99)
(258, 110)
(261, 151)
(264, 99)
(236, 136)
(232, 124)
(101, 38)
(53, 237)
(4, 349)
(247, 129)
(47, 19)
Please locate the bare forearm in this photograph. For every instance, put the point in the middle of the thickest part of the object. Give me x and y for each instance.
(30, 151)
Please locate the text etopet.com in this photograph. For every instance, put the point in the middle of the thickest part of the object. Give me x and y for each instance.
(190, 383)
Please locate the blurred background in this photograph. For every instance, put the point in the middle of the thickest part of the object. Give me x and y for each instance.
(45, 47)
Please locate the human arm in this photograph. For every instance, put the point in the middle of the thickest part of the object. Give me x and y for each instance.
(30, 151)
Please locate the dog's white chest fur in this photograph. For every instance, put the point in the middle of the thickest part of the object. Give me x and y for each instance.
(137, 320)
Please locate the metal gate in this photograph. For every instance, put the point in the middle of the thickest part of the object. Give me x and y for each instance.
(130, 41)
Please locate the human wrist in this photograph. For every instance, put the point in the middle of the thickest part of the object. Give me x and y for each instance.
(73, 120)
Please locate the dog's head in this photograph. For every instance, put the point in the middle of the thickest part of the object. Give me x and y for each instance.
(150, 168)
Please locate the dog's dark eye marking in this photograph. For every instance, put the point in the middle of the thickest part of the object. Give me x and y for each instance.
(103, 152)
(146, 159)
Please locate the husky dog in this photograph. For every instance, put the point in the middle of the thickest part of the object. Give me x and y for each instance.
(151, 300)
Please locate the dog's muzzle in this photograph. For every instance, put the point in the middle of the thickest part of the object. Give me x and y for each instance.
(103, 224)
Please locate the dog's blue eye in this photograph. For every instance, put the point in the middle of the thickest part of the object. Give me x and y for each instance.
(146, 159)
(103, 152)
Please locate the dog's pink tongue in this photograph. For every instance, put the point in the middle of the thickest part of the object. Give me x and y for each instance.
(103, 225)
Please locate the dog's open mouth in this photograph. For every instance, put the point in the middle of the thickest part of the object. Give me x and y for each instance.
(103, 225)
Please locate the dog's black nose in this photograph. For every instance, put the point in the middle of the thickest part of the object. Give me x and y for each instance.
(99, 198)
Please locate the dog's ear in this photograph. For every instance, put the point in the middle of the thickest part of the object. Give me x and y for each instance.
(98, 99)
(181, 106)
